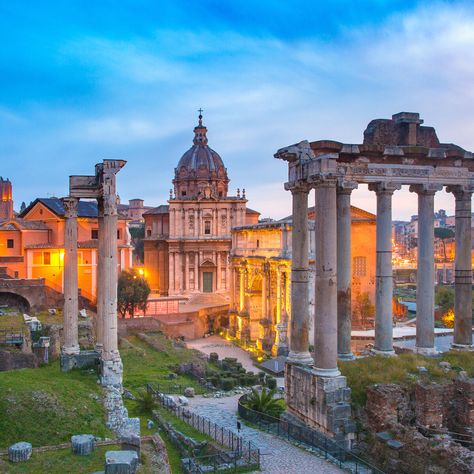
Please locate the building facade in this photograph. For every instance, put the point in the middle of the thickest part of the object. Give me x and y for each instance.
(32, 245)
(188, 241)
(261, 278)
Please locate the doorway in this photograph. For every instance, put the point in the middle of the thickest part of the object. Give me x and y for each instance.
(207, 282)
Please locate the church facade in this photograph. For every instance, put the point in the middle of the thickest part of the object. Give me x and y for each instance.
(188, 241)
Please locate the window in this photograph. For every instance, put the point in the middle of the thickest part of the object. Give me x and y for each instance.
(148, 232)
(94, 234)
(118, 233)
(360, 269)
(207, 227)
(258, 243)
(16, 274)
(10, 243)
(46, 258)
(183, 193)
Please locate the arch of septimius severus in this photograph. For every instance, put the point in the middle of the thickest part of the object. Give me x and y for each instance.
(395, 152)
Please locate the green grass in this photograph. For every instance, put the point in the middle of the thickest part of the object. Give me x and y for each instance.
(12, 320)
(45, 406)
(60, 461)
(142, 363)
(400, 370)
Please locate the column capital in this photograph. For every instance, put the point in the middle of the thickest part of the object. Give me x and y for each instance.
(459, 190)
(300, 186)
(70, 205)
(384, 187)
(346, 187)
(323, 181)
(426, 188)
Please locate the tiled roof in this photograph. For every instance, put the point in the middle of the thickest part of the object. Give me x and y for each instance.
(22, 224)
(163, 209)
(251, 211)
(357, 215)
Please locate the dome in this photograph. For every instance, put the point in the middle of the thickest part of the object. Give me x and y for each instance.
(200, 172)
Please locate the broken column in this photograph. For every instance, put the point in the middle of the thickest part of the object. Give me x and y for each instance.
(71, 309)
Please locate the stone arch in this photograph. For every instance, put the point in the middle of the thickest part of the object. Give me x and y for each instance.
(14, 299)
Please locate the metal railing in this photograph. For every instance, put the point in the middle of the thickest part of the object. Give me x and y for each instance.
(177, 388)
(11, 336)
(307, 437)
(243, 451)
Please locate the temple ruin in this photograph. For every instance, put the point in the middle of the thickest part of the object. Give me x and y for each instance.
(395, 152)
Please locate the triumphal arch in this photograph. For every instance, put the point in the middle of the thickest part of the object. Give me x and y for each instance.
(395, 152)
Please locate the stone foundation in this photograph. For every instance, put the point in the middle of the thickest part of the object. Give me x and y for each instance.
(79, 361)
(111, 372)
(320, 402)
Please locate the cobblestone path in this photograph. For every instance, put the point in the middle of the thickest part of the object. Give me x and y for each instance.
(278, 456)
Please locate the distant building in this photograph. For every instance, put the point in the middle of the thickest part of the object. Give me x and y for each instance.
(188, 241)
(6, 199)
(134, 211)
(32, 245)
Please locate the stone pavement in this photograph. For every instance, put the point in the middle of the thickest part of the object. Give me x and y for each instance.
(278, 456)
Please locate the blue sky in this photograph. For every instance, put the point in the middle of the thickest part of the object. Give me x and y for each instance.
(81, 81)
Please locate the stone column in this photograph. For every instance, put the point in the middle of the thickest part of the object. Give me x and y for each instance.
(425, 273)
(299, 320)
(325, 317)
(264, 290)
(241, 289)
(71, 309)
(178, 271)
(171, 279)
(462, 269)
(383, 273)
(219, 271)
(186, 272)
(99, 328)
(196, 271)
(344, 271)
(109, 276)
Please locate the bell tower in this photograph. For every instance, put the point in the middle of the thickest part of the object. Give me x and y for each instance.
(6, 201)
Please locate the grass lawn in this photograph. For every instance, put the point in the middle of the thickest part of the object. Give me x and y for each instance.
(60, 461)
(142, 363)
(45, 406)
(400, 370)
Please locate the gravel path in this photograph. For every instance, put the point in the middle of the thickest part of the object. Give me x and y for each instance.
(278, 456)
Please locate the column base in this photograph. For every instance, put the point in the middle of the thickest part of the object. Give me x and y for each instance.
(426, 351)
(390, 353)
(300, 358)
(346, 356)
(329, 410)
(81, 360)
(71, 350)
(327, 372)
(111, 372)
(462, 347)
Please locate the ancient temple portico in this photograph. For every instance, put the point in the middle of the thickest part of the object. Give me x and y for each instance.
(101, 186)
(395, 152)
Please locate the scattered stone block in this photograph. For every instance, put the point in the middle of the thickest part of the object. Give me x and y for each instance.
(189, 392)
(446, 366)
(422, 370)
(19, 452)
(150, 424)
(121, 462)
(131, 442)
(394, 444)
(82, 444)
(183, 400)
(383, 436)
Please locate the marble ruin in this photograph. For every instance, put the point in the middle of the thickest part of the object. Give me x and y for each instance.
(395, 152)
(101, 186)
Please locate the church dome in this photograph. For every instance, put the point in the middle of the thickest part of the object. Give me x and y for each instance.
(200, 172)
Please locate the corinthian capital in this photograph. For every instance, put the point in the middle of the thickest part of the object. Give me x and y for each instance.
(110, 205)
(70, 205)
(384, 187)
(426, 188)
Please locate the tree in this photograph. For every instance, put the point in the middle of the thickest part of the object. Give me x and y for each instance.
(444, 298)
(363, 308)
(137, 235)
(133, 291)
(443, 234)
(263, 402)
(23, 206)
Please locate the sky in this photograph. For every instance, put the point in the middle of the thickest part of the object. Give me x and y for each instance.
(81, 81)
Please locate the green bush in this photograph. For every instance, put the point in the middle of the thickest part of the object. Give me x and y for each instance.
(214, 380)
(271, 382)
(261, 377)
(213, 357)
(227, 383)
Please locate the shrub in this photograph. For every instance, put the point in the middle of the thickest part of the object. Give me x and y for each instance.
(261, 377)
(227, 383)
(271, 382)
(146, 403)
(213, 357)
(263, 402)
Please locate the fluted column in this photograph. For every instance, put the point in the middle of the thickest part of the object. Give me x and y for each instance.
(383, 273)
(241, 289)
(186, 272)
(264, 290)
(71, 309)
(196, 271)
(462, 269)
(425, 269)
(109, 276)
(99, 328)
(344, 273)
(299, 321)
(219, 271)
(325, 317)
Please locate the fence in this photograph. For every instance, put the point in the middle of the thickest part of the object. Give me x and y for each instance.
(304, 435)
(178, 389)
(11, 336)
(243, 450)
